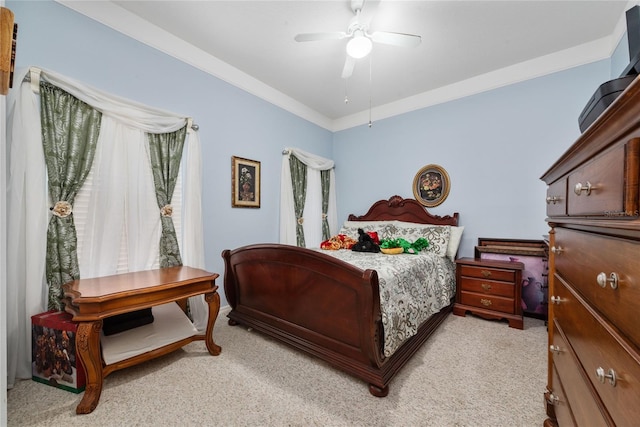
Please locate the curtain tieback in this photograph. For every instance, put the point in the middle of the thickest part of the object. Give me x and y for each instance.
(166, 210)
(62, 209)
(300, 220)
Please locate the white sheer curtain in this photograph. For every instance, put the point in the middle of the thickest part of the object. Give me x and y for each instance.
(313, 200)
(27, 216)
(28, 207)
(116, 186)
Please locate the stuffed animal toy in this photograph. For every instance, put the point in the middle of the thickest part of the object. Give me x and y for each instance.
(341, 241)
(407, 247)
(365, 243)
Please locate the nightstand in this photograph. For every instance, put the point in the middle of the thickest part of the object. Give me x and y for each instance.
(490, 289)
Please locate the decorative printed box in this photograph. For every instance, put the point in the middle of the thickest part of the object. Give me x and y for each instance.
(53, 348)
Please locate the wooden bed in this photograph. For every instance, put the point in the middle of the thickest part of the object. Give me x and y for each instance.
(322, 305)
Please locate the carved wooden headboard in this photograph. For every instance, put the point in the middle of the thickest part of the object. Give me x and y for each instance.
(400, 209)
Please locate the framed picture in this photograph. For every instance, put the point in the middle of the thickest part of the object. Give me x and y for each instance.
(431, 185)
(245, 183)
(533, 254)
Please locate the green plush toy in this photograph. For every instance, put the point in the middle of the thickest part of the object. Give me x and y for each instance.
(408, 248)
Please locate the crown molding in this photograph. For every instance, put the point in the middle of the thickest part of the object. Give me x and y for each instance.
(125, 22)
(129, 24)
(544, 65)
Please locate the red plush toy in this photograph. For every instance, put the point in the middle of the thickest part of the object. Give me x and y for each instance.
(374, 237)
(341, 241)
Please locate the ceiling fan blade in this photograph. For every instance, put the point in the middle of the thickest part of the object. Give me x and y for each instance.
(311, 37)
(348, 67)
(396, 39)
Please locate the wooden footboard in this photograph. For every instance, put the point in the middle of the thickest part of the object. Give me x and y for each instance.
(318, 304)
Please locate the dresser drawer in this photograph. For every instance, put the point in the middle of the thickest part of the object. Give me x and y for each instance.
(585, 405)
(490, 302)
(561, 406)
(583, 256)
(489, 287)
(606, 186)
(557, 198)
(598, 347)
(487, 273)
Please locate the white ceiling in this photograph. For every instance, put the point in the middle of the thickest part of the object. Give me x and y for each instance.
(467, 47)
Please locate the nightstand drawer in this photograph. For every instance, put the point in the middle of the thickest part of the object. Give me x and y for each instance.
(488, 273)
(488, 287)
(490, 302)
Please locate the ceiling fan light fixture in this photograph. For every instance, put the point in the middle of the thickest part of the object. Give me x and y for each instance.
(359, 46)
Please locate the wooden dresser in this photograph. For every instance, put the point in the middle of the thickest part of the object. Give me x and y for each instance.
(594, 273)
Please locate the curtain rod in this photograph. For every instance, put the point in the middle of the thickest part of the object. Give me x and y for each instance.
(27, 79)
(285, 152)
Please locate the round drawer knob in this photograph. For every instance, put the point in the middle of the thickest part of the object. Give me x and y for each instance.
(602, 280)
(580, 187)
(554, 349)
(602, 376)
(555, 300)
(552, 199)
(557, 250)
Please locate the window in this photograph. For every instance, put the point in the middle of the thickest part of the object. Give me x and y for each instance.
(116, 214)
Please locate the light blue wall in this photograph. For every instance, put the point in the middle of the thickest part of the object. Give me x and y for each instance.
(232, 122)
(494, 146)
(620, 57)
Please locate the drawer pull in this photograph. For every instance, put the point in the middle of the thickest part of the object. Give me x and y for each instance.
(553, 399)
(486, 286)
(579, 188)
(554, 349)
(553, 199)
(602, 280)
(557, 250)
(485, 302)
(485, 273)
(611, 376)
(555, 300)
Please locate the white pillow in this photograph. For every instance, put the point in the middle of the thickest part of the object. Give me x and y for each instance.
(364, 224)
(436, 235)
(455, 236)
(411, 231)
(350, 228)
(454, 242)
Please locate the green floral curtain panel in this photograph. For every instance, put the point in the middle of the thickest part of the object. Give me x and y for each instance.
(70, 130)
(166, 154)
(299, 182)
(325, 177)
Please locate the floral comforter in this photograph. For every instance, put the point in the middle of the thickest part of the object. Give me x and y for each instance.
(412, 288)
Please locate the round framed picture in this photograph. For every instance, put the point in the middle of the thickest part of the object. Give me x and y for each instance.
(431, 185)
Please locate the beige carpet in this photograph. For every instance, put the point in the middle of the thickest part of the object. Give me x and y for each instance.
(472, 372)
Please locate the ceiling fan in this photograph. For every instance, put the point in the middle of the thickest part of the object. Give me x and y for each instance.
(360, 43)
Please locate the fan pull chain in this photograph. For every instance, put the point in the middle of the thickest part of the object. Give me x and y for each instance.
(346, 88)
(370, 89)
